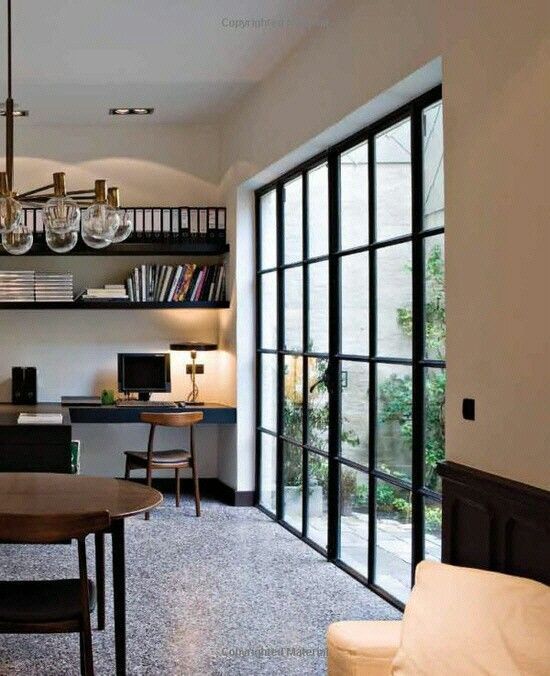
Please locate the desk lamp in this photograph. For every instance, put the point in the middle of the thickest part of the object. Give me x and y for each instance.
(193, 368)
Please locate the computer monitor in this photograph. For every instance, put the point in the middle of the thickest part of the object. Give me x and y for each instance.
(144, 373)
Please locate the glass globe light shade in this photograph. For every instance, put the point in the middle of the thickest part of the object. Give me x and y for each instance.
(11, 214)
(61, 214)
(125, 226)
(18, 240)
(99, 225)
(61, 242)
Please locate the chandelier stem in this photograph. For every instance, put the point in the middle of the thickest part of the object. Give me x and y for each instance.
(9, 111)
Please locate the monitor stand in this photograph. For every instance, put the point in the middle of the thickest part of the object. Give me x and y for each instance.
(144, 396)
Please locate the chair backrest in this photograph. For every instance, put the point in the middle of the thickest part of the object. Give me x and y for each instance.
(172, 419)
(49, 528)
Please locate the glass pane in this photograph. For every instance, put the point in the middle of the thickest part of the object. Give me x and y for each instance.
(354, 431)
(269, 391)
(293, 397)
(318, 307)
(354, 197)
(268, 472)
(434, 425)
(317, 200)
(292, 485)
(393, 539)
(354, 301)
(434, 293)
(354, 519)
(293, 309)
(394, 419)
(317, 408)
(393, 181)
(434, 183)
(293, 220)
(394, 292)
(432, 529)
(268, 285)
(268, 226)
(317, 499)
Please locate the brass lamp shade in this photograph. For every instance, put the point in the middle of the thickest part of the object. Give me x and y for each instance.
(193, 346)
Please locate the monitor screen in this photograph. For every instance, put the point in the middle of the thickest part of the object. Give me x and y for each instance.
(144, 372)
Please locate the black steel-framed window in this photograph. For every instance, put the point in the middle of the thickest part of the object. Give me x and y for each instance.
(323, 350)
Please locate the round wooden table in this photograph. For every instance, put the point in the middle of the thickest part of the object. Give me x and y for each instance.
(41, 494)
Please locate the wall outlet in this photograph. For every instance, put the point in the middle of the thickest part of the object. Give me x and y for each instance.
(199, 368)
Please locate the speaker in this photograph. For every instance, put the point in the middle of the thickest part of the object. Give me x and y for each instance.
(23, 385)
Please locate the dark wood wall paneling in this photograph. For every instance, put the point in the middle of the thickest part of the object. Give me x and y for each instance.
(494, 523)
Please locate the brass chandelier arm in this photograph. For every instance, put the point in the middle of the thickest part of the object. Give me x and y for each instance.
(35, 190)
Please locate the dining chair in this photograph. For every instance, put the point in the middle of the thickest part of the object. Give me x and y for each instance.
(176, 459)
(51, 606)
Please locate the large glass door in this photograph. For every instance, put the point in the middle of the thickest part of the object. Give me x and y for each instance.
(350, 348)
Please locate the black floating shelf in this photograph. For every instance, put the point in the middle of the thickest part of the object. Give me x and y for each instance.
(117, 305)
(145, 247)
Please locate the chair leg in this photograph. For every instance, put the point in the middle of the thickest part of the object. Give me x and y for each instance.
(177, 487)
(149, 482)
(100, 578)
(127, 469)
(82, 661)
(86, 652)
(196, 487)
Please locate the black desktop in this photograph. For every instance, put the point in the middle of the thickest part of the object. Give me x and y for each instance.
(144, 373)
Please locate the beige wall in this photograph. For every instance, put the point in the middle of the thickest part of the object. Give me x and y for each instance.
(495, 57)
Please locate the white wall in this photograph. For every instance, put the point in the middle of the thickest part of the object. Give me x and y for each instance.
(75, 352)
(496, 80)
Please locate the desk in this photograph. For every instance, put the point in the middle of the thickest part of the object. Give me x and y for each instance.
(42, 494)
(214, 414)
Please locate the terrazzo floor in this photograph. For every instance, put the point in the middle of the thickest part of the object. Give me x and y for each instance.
(229, 593)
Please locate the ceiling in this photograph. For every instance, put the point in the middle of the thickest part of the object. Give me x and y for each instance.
(75, 59)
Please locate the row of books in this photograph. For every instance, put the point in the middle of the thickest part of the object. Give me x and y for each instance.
(28, 286)
(176, 283)
(50, 287)
(181, 223)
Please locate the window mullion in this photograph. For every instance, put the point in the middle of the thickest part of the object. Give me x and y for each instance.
(417, 339)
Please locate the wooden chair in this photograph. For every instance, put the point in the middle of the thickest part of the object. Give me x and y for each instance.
(173, 459)
(51, 606)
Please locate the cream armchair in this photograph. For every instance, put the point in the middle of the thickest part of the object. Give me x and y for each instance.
(458, 622)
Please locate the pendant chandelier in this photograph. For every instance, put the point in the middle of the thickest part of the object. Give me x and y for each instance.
(95, 213)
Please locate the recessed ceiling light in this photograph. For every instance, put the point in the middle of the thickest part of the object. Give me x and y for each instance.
(16, 113)
(131, 111)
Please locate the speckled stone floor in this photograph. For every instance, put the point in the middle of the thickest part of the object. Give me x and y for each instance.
(230, 593)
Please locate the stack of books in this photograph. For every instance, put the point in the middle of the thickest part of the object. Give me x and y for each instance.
(16, 286)
(176, 283)
(108, 292)
(51, 287)
(40, 419)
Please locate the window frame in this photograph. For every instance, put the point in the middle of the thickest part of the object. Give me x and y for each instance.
(418, 362)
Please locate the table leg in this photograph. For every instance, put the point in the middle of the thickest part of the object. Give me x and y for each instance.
(119, 594)
(100, 578)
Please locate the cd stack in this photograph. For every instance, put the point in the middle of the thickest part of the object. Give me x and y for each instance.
(53, 287)
(16, 286)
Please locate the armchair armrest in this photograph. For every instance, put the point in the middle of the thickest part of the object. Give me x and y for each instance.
(361, 648)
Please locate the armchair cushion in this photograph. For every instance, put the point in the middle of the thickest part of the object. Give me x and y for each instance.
(356, 648)
(467, 621)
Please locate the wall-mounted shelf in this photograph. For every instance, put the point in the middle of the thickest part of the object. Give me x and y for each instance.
(117, 305)
(147, 247)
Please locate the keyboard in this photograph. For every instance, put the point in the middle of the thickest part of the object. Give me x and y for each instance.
(135, 403)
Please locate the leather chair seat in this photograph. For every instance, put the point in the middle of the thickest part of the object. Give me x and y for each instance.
(159, 457)
(42, 600)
